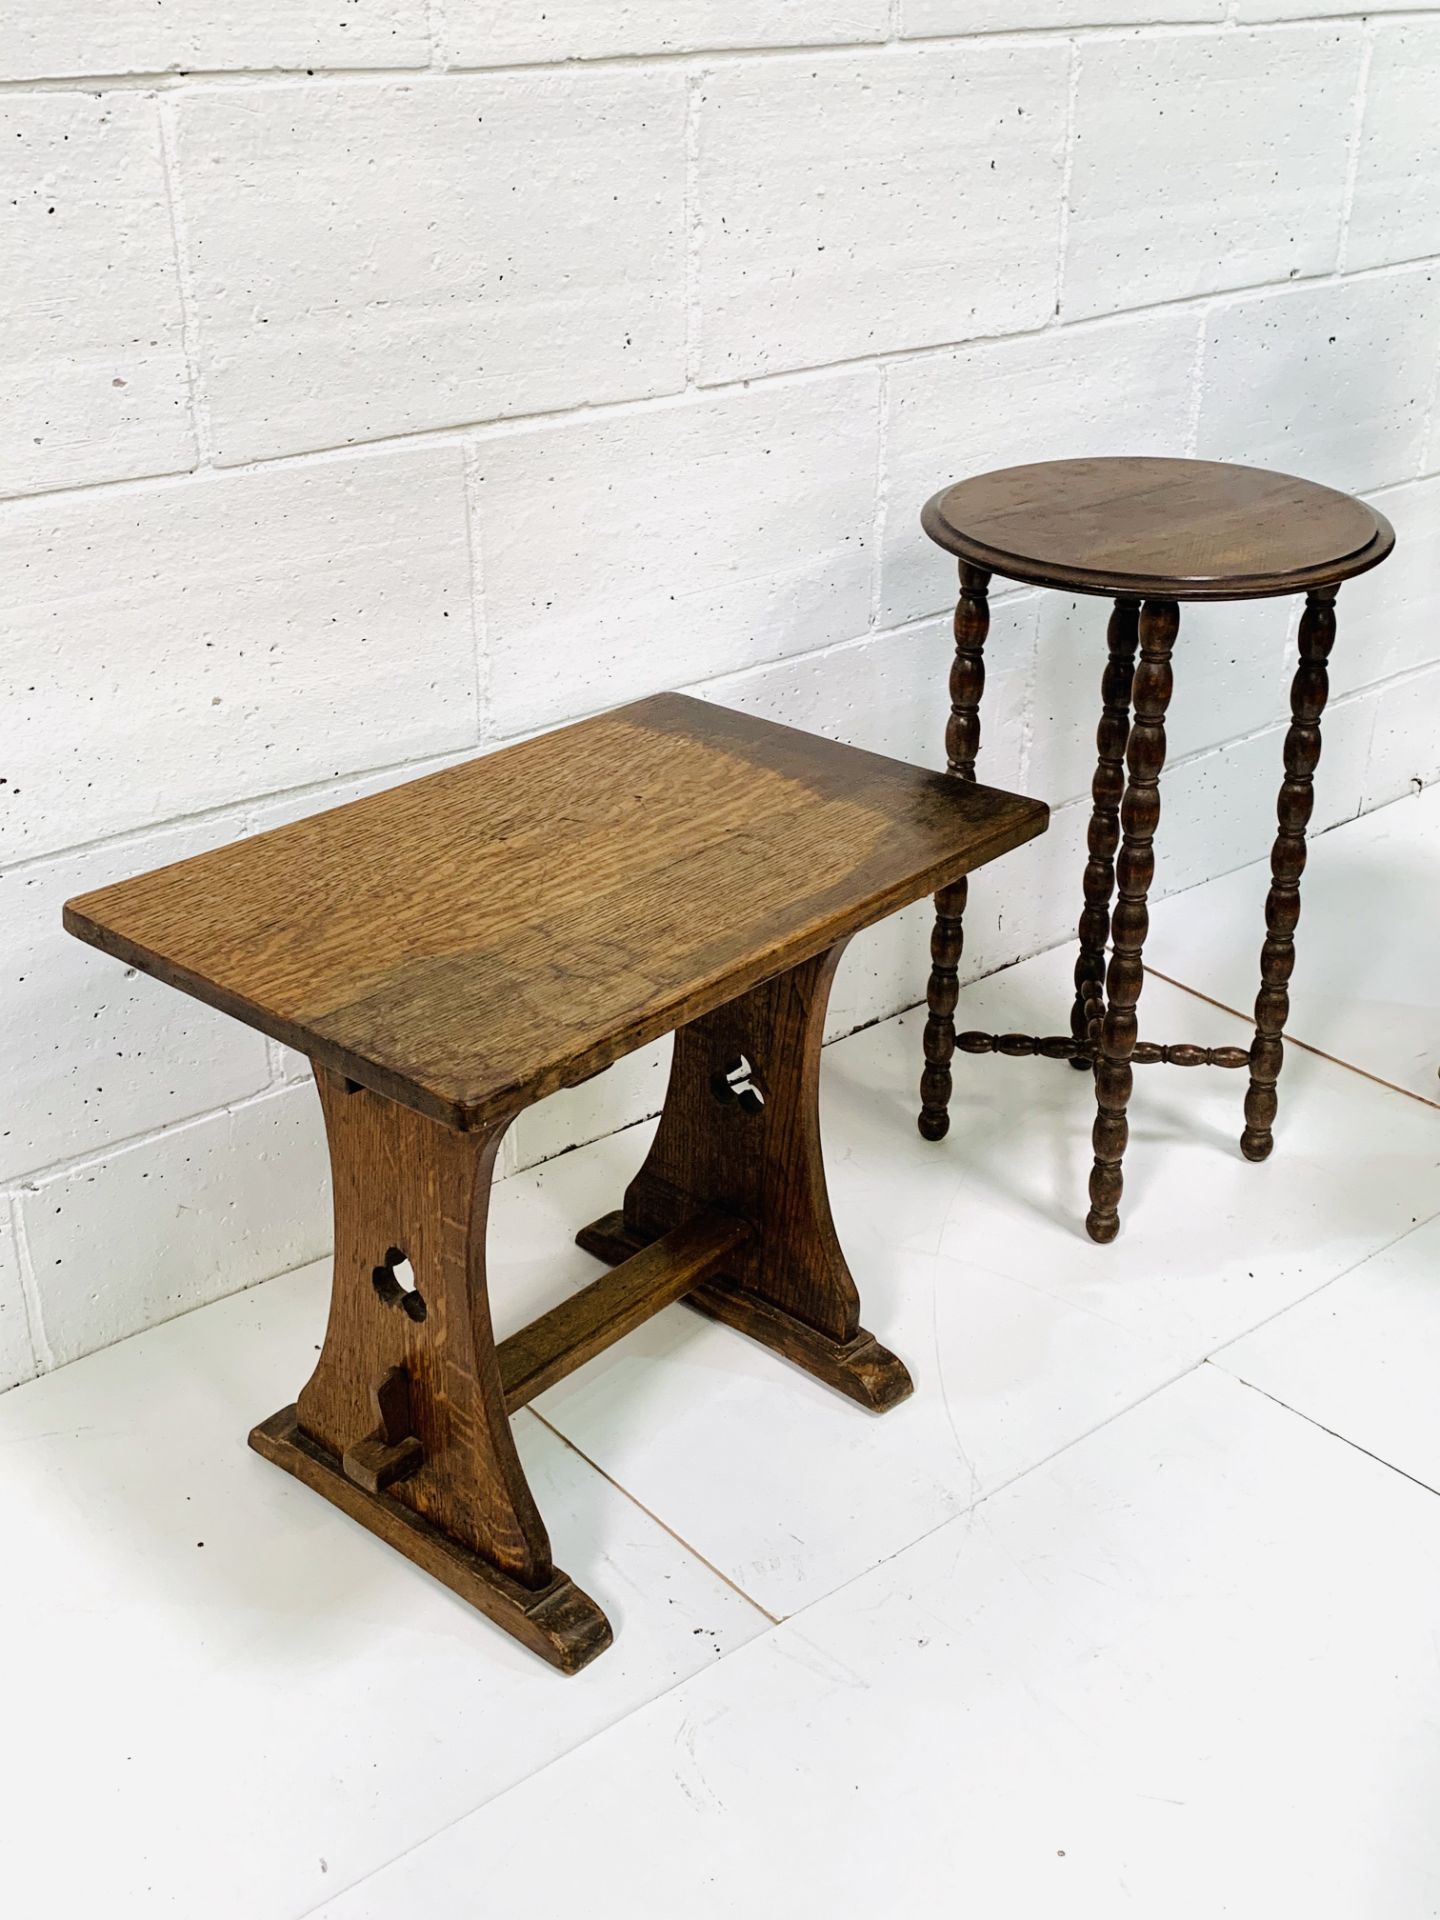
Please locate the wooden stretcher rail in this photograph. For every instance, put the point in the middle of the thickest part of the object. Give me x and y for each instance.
(621, 1300)
(1061, 1046)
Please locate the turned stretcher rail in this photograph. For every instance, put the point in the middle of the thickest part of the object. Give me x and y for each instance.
(590, 1321)
(1061, 1046)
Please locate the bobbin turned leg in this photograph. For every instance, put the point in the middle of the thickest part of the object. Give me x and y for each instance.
(947, 943)
(740, 1134)
(1107, 790)
(1139, 815)
(1308, 694)
(404, 1424)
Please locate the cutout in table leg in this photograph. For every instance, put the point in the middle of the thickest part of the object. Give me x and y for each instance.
(394, 1282)
(391, 1453)
(739, 1082)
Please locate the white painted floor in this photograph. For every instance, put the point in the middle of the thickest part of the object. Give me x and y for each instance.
(1134, 1608)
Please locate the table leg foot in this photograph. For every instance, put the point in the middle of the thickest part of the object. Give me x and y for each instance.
(740, 1135)
(557, 1620)
(1257, 1145)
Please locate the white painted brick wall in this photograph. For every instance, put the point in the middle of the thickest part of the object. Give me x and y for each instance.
(1395, 214)
(658, 320)
(92, 1052)
(1392, 616)
(183, 645)
(93, 382)
(455, 251)
(206, 1207)
(852, 204)
(637, 551)
(1334, 381)
(17, 1352)
(1189, 173)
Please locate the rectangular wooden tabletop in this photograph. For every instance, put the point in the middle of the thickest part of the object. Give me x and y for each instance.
(476, 939)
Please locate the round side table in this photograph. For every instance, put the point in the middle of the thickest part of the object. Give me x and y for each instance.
(1147, 534)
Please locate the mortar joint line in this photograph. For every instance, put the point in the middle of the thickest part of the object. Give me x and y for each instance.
(1195, 399)
(694, 231)
(42, 1354)
(1357, 133)
(880, 519)
(435, 24)
(189, 307)
(1067, 174)
(26, 1186)
(475, 579)
(184, 79)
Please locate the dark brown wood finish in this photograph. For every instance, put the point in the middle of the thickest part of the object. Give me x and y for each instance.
(1085, 1053)
(947, 942)
(450, 952)
(1158, 529)
(1106, 792)
(1308, 694)
(1158, 532)
(1130, 920)
(512, 925)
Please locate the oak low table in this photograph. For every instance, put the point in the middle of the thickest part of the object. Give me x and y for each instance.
(449, 952)
(1147, 534)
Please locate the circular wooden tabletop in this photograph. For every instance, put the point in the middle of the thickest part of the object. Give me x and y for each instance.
(1158, 529)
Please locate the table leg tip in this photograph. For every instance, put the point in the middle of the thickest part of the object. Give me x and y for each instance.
(574, 1628)
(1102, 1228)
(933, 1126)
(877, 1379)
(1257, 1146)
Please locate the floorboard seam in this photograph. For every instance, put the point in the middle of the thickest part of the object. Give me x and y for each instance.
(1374, 1254)
(1321, 1427)
(679, 1539)
(775, 1621)
(1290, 1040)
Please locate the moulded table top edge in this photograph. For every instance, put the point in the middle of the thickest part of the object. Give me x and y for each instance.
(1116, 585)
(1030, 569)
